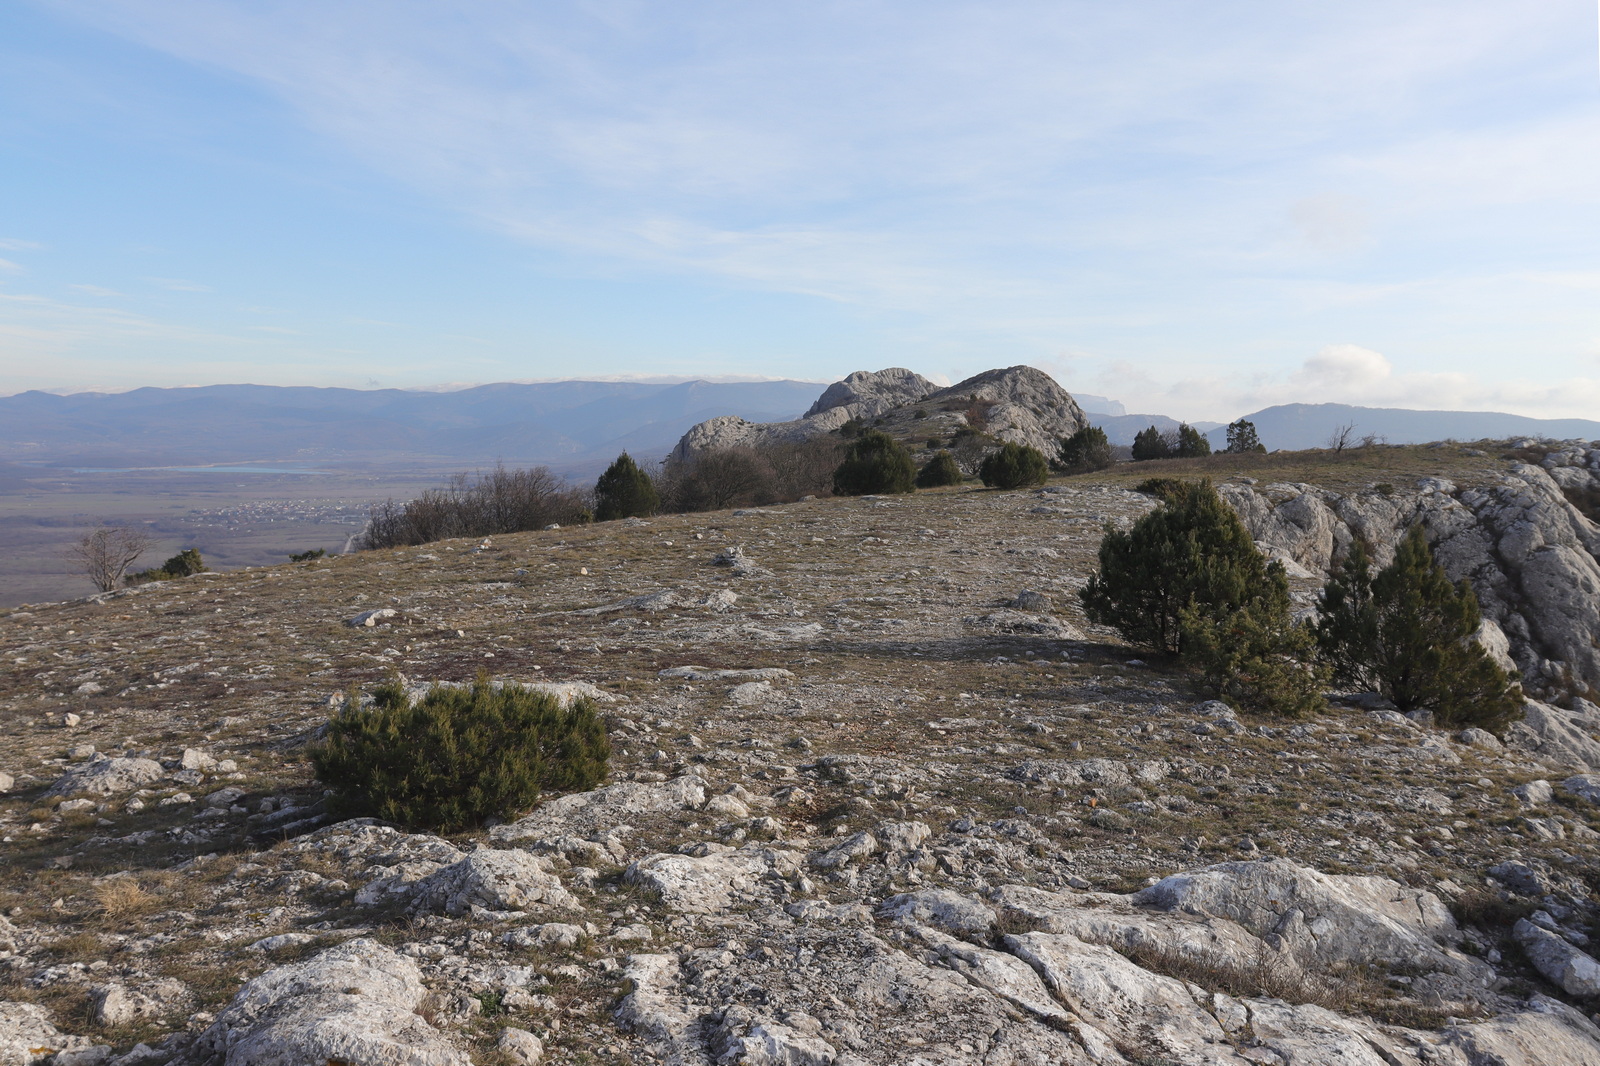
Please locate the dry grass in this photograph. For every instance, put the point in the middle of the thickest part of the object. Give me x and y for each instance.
(121, 898)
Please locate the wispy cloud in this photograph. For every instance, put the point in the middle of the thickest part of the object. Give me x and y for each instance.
(1155, 184)
(97, 290)
(13, 244)
(8, 267)
(179, 285)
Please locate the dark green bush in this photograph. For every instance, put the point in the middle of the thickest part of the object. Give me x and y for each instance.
(1151, 443)
(1192, 551)
(1187, 580)
(1014, 466)
(307, 556)
(1162, 488)
(624, 491)
(1191, 443)
(1085, 451)
(940, 470)
(458, 756)
(875, 463)
(183, 564)
(1406, 633)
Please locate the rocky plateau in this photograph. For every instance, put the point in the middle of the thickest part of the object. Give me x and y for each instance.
(879, 794)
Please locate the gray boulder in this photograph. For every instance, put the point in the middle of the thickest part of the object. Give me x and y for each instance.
(493, 881)
(1575, 971)
(27, 1036)
(105, 776)
(355, 1003)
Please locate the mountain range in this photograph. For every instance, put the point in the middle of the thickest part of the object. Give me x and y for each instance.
(574, 426)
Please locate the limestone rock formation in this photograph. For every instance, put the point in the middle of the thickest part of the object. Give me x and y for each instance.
(1019, 404)
(1531, 555)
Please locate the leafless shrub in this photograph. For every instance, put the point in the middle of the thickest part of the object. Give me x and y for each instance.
(720, 478)
(477, 505)
(107, 552)
(1342, 438)
(123, 897)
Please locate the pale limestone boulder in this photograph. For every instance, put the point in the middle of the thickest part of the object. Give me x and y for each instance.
(707, 884)
(355, 1003)
(1547, 1032)
(492, 880)
(106, 776)
(942, 909)
(1318, 918)
(602, 810)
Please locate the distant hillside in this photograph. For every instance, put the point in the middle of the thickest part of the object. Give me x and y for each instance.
(576, 426)
(1308, 425)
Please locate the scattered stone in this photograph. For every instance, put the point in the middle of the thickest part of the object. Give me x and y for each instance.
(520, 1046)
(1584, 786)
(1480, 738)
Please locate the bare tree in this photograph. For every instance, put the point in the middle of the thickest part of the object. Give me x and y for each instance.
(1342, 437)
(107, 553)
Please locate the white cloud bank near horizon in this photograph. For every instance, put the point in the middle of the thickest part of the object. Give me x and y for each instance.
(1209, 208)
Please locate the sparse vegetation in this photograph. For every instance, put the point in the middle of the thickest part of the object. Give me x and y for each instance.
(478, 505)
(307, 556)
(458, 755)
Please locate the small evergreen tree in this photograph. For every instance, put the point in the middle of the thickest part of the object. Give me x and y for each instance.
(1192, 551)
(1242, 438)
(1014, 466)
(939, 470)
(1151, 444)
(1188, 580)
(458, 755)
(624, 491)
(1191, 443)
(1085, 451)
(1407, 633)
(875, 463)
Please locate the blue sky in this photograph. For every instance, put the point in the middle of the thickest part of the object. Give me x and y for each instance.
(1198, 209)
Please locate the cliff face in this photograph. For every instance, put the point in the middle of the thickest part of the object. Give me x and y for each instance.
(1018, 403)
(1531, 555)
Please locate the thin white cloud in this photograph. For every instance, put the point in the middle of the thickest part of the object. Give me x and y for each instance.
(97, 290)
(8, 267)
(179, 285)
(274, 329)
(14, 244)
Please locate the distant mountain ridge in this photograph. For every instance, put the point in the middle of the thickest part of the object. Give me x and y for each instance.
(575, 426)
(1296, 426)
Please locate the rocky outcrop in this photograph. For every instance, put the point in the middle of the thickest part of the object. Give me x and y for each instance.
(1032, 976)
(1019, 404)
(27, 1036)
(355, 1003)
(871, 393)
(1531, 555)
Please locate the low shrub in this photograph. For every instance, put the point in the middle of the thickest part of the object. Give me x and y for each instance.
(458, 756)
(875, 463)
(1014, 466)
(183, 564)
(938, 471)
(307, 556)
(1085, 451)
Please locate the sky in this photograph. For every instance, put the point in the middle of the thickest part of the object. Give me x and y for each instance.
(1196, 209)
